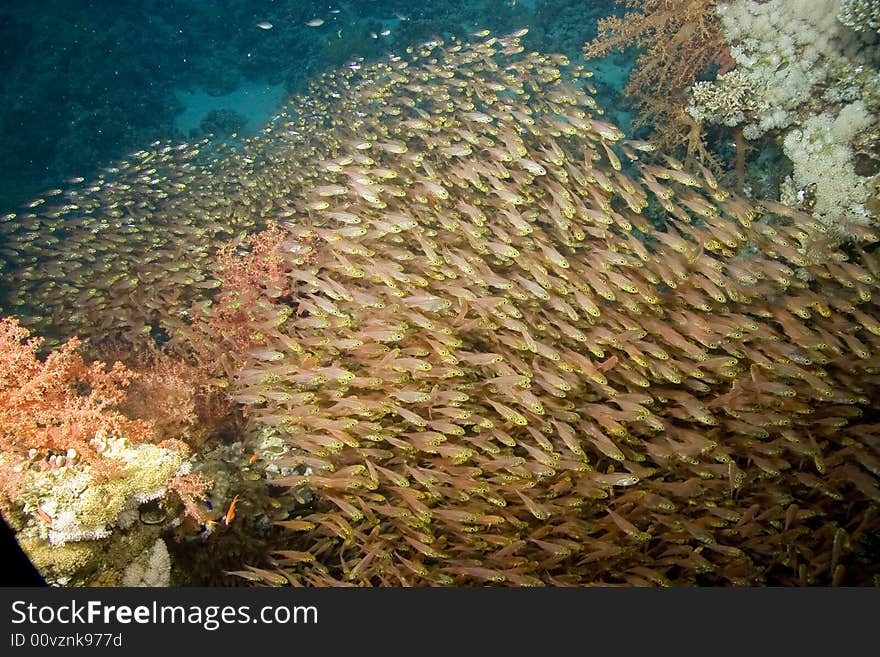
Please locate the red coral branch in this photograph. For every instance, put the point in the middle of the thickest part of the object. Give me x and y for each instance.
(256, 292)
(189, 488)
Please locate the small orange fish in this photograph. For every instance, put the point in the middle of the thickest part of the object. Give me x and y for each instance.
(230, 513)
(254, 458)
(45, 517)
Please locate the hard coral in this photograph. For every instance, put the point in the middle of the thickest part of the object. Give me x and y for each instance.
(727, 101)
(81, 529)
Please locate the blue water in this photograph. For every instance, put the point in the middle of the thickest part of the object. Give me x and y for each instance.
(87, 82)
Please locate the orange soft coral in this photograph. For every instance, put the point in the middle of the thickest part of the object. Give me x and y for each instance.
(248, 270)
(681, 40)
(59, 403)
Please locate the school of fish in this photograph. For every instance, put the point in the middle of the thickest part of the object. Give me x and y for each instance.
(503, 343)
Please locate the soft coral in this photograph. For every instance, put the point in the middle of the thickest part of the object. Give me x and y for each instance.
(60, 403)
(681, 41)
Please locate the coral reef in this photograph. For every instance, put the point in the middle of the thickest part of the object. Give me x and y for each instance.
(216, 553)
(824, 164)
(806, 78)
(480, 339)
(790, 53)
(76, 475)
(79, 529)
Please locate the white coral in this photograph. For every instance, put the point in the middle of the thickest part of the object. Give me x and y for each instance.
(153, 568)
(860, 15)
(787, 52)
(823, 162)
(727, 101)
(76, 506)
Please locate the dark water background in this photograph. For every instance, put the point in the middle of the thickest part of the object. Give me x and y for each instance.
(87, 82)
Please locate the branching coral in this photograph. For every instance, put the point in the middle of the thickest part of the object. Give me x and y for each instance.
(728, 101)
(57, 406)
(681, 40)
(73, 468)
(249, 271)
(183, 401)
